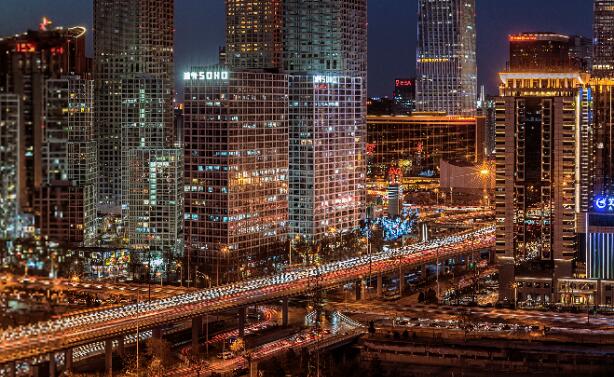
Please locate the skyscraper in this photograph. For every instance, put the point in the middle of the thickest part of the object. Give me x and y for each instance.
(446, 57)
(603, 38)
(69, 187)
(131, 38)
(154, 207)
(236, 158)
(26, 61)
(254, 34)
(9, 162)
(325, 54)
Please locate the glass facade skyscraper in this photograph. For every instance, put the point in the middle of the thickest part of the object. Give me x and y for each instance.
(131, 38)
(325, 54)
(446, 57)
(603, 38)
(9, 156)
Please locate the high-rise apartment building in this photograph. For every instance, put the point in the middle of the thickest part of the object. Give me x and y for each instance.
(446, 57)
(154, 208)
(254, 34)
(69, 188)
(603, 38)
(325, 54)
(236, 166)
(26, 61)
(131, 38)
(9, 163)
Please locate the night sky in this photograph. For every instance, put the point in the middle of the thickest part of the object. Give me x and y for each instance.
(392, 30)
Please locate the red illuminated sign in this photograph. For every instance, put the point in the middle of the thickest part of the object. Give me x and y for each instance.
(402, 83)
(25, 47)
(57, 50)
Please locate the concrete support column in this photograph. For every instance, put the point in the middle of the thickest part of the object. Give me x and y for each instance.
(359, 289)
(38, 370)
(401, 282)
(197, 326)
(68, 360)
(242, 315)
(108, 357)
(156, 333)
(53, 370)
(12, 368)
(424, 271)
(121, 348)
(379, 284)
(284, 312)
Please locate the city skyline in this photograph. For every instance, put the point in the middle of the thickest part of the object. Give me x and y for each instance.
(387, 19)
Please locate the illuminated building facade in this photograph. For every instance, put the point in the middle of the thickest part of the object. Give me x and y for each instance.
(541, 130)
(9, 162)
(69, 187)
(446, 57)
(405, 96)
(548, 51)
(603, 36)
(26, 62)
(416, 144)
(131, 38)
(325, 54)
(254, 34)
(236, 166)
(154, 213)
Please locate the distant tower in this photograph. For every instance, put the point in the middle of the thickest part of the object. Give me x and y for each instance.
(9, 156)
(603, 35)
(446, 57)
(131, 38)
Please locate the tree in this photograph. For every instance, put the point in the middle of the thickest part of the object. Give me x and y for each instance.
(160, 353)
(371, 328)
(238, 346)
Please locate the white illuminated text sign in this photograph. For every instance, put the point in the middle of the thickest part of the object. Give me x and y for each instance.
(209, 75)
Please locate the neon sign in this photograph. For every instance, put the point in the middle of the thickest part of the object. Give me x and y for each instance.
(403, 83)
(25, 47)
(604, 203)
(325, 79)
(206, 75)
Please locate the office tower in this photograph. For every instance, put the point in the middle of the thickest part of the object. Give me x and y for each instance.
(68, 191)
(9, 162)
(26, 61)
(236, 143)
(254, 34)
(131, 38)
(154, 212)
(325, 52)
(550, 51)
(325, 36)
(417, 144)
(581, 50)
(142, 119)
(539, 135)
(603, 38)
(446, 57)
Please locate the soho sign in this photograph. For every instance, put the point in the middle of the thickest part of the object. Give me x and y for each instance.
(605, 203)
(209, 75)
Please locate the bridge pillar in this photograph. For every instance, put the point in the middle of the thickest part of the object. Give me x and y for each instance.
(108, 357)
(12, 369)
(53, 370)
(360, 287)
(242, 315)
(68, 360)
(156, 333)
(401, 282)
(39, 370)
(379, 284)
(284, 312)
(197, 327)
(121, 348)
